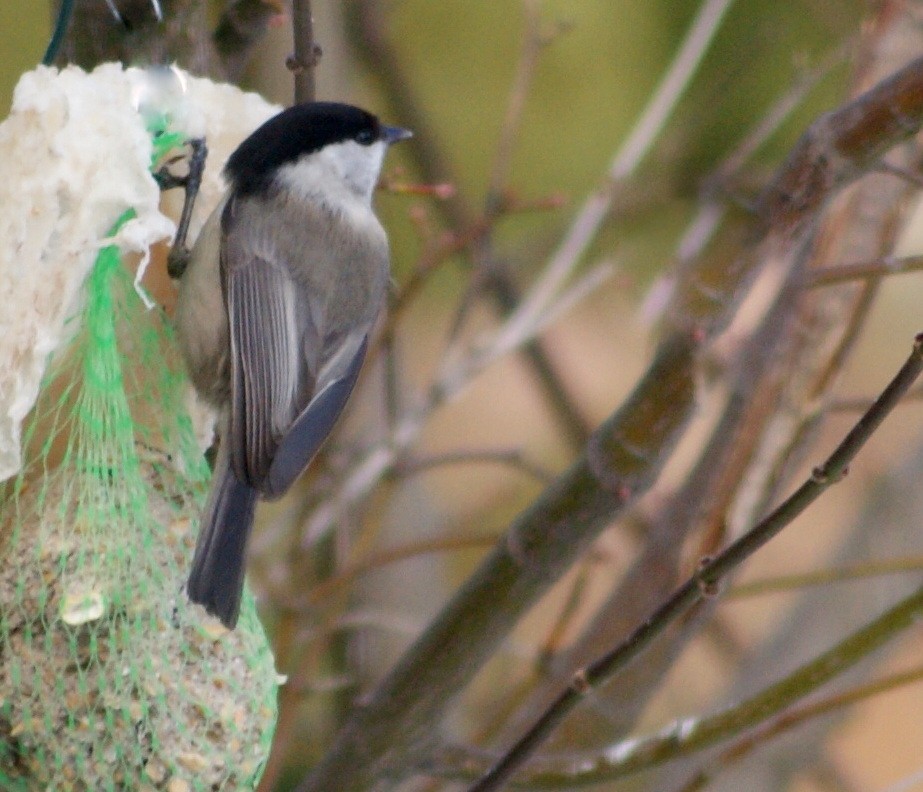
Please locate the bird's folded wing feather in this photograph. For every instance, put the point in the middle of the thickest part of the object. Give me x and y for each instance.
(311, 428)
(287, 391)
(271, 381)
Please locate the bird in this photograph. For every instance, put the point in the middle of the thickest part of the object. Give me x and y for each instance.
(275, 305)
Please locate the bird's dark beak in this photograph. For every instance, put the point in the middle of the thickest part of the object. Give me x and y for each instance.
(392, 134)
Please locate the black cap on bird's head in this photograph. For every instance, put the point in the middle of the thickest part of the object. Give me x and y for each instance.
(298, 131)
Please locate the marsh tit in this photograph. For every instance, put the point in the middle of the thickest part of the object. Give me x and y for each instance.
(274, 311)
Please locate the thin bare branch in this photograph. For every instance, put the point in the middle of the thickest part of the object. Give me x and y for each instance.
(703, 226)
(861, 404)
(625, 456)
(769, 714)
(826, 577)
(560, 266)
(306, 56)
(532, 42)
(513, 458)
(639, 142)
(704, 585)
(862, 270)
(369, 28)
(461, 365)
(628, 451)
(343, 577)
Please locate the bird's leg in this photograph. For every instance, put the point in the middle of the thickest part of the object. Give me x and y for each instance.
(178, 257)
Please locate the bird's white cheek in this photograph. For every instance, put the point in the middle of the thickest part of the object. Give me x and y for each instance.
(337, 170)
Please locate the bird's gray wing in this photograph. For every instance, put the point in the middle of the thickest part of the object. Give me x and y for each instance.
(292, 367)
(311, 428)
(272, 380)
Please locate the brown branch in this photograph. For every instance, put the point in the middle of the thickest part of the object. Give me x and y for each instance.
(458, 762)
(538, 548)
(795, 717)
(862, 270)
(532, 43)
(864, 224)
(343, 577)
(828, 156)
(769, 713)
(513, 458)
(704, 584)
(369, 29)
(306, 56)
(698, 509)
(859, 404)
(625, 456)
(825, 577)
(760, 380)
(841, 144)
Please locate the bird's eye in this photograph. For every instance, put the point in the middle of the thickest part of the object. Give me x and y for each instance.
(365, 137)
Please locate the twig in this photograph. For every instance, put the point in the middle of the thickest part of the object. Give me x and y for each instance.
(704, 583)
(780, 111)
(540, 307)
(532, 43)
(626, 455)
(656, 576)
(765, 711)
(862, 270)
(307, 53)
(553, 642)
(824, 577)
(512, 457)
(568, 255)
(863, 225)
(343, 577)
(799, 715)
(488, 268)
(687, 736)
(639, 142)
(861, 132)
(491, 274)
(860, 404)
(369, 29)
(836, 149)
(695, 734)
(699, 508)
(391, 362)
(706, 222)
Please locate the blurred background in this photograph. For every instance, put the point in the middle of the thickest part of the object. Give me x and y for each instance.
(487, 452)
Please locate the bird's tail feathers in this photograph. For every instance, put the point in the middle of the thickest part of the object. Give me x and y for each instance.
(216, 580)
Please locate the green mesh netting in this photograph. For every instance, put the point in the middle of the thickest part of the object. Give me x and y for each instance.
(109, 678)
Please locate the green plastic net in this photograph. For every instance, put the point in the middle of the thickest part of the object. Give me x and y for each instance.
(109, 678)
